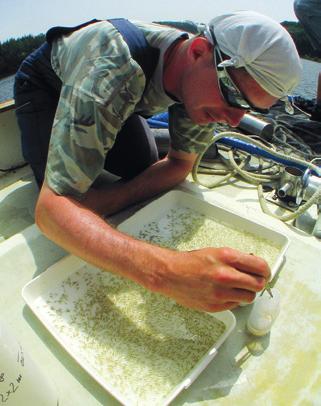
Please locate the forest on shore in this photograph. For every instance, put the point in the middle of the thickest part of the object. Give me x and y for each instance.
(13, 51)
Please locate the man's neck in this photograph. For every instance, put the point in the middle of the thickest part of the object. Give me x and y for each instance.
(173, 67)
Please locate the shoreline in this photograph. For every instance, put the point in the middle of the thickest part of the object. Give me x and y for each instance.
(7, 76)
(306, 89)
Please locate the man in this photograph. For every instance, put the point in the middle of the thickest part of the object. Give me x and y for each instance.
(308, 13)
(102, 85)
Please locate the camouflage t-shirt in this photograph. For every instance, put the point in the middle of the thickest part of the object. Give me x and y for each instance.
(102, 85)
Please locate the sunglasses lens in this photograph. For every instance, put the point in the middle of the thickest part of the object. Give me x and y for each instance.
(235, 99)
(231, 95)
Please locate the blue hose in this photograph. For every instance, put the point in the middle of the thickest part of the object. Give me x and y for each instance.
(254, 150)
(158, 121)
(161, 121)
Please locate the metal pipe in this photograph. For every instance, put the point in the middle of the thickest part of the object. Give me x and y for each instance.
(254, 125)
(284, 190)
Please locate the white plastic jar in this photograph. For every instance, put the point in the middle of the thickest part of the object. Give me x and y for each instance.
(264, 312)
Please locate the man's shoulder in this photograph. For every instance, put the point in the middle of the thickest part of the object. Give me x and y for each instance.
(163, 26)
(158, 33)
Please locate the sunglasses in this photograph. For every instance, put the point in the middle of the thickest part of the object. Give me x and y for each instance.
(230, 92)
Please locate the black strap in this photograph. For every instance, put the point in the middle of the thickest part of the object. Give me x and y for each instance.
(58, 31)
(145, 55)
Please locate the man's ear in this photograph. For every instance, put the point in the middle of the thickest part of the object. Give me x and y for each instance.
(199, 47)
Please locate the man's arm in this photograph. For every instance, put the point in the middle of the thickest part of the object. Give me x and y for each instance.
(208, 279)
(161, 176)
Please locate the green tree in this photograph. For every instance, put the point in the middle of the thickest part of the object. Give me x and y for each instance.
(301, 40)
(13, 52)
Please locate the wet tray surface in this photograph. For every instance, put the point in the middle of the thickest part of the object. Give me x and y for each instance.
(181, 221)
(140, 346)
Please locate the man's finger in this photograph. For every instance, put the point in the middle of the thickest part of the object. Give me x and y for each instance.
(247, 263)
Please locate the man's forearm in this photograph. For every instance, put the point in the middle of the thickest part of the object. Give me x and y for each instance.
(157, 178)
(84, 233)
(78, 228)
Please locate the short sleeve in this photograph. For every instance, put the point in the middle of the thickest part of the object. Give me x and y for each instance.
(90, 114)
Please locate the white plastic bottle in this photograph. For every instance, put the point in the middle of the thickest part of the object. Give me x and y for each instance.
(21, 381)
(264, 312)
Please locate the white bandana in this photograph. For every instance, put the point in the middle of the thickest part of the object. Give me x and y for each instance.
(260, 45)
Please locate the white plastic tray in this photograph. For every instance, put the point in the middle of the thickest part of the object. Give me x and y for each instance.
(37, 290)
(157, 210)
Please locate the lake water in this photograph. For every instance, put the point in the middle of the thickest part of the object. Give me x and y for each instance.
(307, 87)
(6, 88)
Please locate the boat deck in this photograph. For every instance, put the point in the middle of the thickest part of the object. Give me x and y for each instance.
(281, 368)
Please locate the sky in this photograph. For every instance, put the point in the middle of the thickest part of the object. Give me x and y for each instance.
(23, 17)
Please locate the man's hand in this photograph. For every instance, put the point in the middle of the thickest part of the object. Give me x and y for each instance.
(214, 279)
